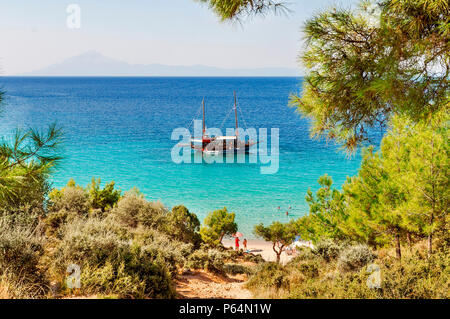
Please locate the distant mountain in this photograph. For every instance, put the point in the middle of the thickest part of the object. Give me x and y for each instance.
(93, 63)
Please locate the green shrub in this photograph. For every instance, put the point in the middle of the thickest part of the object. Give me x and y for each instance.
(55, 220)
(300, 269)
(269, 275)
(328, 249)
(169, 252)
(235, 269)
(355, 257)
(153, 275)
(208, 259)
(110, 261)
(305, 253)
(71, 199)
(229, 253)
(90, 240)
(310, 270)
(21, 248)
(102, 198)
(140, 278)
(65, 205)
(197, 260)
(183, 226)
(415, 276)
(133, 210)
(132, 246)
(254, 258)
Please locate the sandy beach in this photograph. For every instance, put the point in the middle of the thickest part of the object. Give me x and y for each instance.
(260, 247)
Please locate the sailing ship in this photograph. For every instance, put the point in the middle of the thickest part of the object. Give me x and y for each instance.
(214, 145)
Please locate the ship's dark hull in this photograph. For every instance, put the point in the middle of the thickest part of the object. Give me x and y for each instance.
(244, 150)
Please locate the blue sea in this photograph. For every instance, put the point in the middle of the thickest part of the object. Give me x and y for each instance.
(119, 128)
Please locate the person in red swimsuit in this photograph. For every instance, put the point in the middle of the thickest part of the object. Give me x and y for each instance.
(236, 243)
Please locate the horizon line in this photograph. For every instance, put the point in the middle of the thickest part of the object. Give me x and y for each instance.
(146, 76)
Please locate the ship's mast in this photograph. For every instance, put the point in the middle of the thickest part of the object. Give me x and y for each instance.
(204, 127)
(235, 114)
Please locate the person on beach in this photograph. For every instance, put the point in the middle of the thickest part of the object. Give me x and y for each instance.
(236, 243)
(245, 244)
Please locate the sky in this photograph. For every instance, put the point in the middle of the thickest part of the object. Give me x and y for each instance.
(173, 32)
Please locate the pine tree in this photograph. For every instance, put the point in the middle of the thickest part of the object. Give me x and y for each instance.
(236, 10)
(327, 213)
(367, 65)
(281, 235)
(403, 188)
(427, 176)
(26, 159)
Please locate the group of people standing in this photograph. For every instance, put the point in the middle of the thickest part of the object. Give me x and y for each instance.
(236, 243)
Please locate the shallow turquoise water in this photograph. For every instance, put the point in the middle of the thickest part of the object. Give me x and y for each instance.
(119, 129)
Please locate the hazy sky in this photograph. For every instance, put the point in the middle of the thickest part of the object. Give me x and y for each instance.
(34, 34)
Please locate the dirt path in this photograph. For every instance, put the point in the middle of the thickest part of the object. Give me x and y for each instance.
(200, 284)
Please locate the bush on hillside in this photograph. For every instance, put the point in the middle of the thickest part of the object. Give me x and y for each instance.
(235, 269)
(355, 257)
(55, 220)
(133, 210)
(235, 255)
(328, 249)
(172, 253)
(415, 276)
(269, 275)
(208, 259)
(254, 258)
(103, 198)
(21, 248)
(183, 226)
(110, 261)
(72, 199)
(305, 253)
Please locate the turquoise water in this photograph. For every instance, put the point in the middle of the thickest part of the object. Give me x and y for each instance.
(119, 129)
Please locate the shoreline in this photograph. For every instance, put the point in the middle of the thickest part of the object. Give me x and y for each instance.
(259, 247)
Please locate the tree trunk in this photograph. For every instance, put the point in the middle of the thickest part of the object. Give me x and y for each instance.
(398, 250)
(430, 238)
(278, 258)
(430, 244)
(278, 253)
(408, 236)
